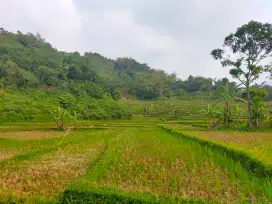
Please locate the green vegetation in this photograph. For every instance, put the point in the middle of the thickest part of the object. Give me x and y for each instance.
(249, 46)
(254, 166)
(38, 105)
(35, 79)
(42, 167)
(126, 163)
(258, 144)
(87, 129)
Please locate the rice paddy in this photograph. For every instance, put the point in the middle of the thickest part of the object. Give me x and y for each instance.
(127, 162)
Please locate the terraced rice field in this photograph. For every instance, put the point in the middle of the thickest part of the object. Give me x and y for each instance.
(258, 144)
(118, 162)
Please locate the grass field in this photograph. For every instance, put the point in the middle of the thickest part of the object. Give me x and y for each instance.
(127, 162)
(258, 143)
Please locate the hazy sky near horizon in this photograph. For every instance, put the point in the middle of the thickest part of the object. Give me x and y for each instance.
(174, 35)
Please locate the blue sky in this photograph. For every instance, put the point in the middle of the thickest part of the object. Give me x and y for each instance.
(173, 35)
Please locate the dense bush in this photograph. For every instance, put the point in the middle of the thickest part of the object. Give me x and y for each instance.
(71, 196)
(105, 196)
(37, 105)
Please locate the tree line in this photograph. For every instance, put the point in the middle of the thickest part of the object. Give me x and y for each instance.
(28, 61)
(31, 66)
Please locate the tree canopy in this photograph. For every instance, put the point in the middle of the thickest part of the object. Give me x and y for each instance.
(244, 51)
(27, 60)
(29, 64)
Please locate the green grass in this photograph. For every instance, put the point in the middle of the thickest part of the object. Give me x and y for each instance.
(257, 143)
(155, 162)
(45, 168)
(124, 162)
(252, 164)
(185, 110)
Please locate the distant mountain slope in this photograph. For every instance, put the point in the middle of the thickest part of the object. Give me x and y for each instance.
(28, 61)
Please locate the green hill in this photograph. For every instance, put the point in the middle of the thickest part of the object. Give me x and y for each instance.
(27, 60)
(36, 78)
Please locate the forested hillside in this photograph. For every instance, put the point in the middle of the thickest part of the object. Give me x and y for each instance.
(28, 61)
(35, 78)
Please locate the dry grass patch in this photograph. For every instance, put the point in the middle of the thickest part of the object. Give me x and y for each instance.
(30, 135)
(153, 161)
(48, 175)
(5, 155)
(176, 178)
(13, 143)
(241, 138)
(259, 144)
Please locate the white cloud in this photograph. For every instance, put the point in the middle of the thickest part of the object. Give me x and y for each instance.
(57, 20)
(115, 34)
(175, 35)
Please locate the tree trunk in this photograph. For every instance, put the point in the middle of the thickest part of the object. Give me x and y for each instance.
(249, 120)
(257, 122)
(227, 120)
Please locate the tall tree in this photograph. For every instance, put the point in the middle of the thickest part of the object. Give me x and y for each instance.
(244, 51)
